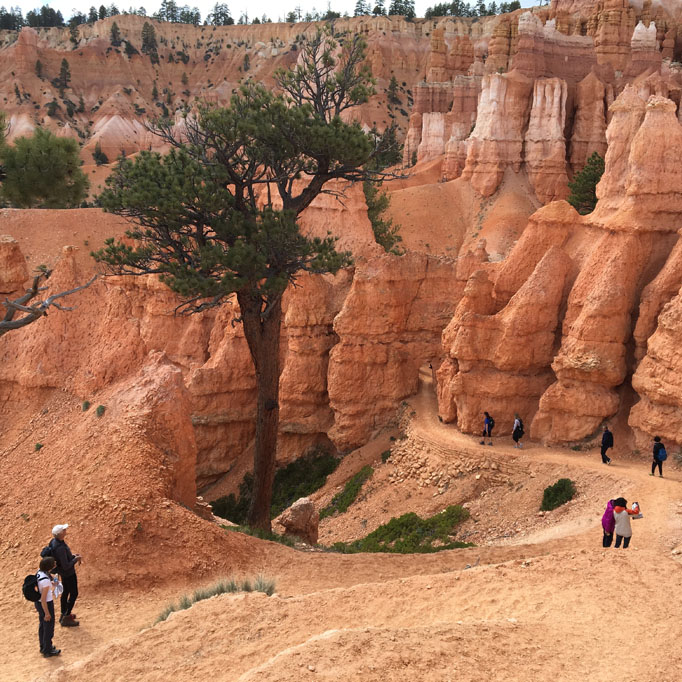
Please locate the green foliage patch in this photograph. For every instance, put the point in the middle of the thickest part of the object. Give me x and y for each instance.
(348, 495)
(583, 196)
(297, 479)
(410, 534)
(559, 493)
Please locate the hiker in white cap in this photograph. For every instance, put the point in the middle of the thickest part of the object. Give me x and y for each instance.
(66, 567)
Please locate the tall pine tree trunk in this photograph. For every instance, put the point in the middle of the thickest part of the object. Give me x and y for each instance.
(262, 336)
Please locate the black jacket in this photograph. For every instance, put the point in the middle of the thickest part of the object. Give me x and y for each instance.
(66, 562)
(607, 439)
(657, 448)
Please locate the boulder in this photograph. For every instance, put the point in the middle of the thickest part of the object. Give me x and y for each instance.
(301, 520)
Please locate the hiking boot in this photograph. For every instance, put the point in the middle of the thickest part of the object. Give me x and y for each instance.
(68, 622)
(52, 652)
(482, 442)
(490, 443)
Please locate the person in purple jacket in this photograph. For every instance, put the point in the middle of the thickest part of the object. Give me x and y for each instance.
(608, 523)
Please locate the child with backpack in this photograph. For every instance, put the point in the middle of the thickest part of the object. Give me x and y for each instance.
(660, 455)
(488, 425)
(40, 589)
(517, 431)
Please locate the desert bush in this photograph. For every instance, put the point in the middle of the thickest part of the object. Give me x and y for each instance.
(100, 410)
(38, 447)
(410, 534)
(227, 586)
(347, 496)
(297, 479)
(86, 405)
(556, 495)
(385, 455)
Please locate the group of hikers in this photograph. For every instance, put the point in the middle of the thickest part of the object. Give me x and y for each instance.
(659, 451)
(56, 578)
(489, 425)
(616, 519)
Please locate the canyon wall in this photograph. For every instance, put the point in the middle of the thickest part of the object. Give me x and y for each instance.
(531, 90)
(584, 306)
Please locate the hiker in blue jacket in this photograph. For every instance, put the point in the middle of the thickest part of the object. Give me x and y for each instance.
(488, 424)
(660, 455)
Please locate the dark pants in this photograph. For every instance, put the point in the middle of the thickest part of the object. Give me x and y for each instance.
(46, 629)
(604, 458)
(626, 541)
(70, 593)
(659, 464)
(607, 539)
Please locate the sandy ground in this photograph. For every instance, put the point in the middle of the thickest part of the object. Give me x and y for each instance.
(544, 603)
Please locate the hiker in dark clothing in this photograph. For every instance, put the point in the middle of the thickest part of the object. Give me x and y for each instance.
(517, 431)
(660, 455)
(488, 425)
(606, 443)
(66, 567)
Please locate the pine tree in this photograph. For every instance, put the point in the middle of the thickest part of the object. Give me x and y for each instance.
(583, 196)
(392, 91)
(39, 68)
(43, 171)
(92, 15)
(379, 8)
(64, 76)
(115, 35)
(149, 44)
(102, 12)
(200, 218)
(361, 8)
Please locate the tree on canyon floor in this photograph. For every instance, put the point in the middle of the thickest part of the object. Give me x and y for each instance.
(583, 196)
(218, 214)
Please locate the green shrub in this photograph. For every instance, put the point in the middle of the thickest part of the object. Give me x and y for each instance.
(583, 196)
(385, 455)
(410, 534)
(100, 410)
(227, 586)
(86, 405)
(297, 479)
(559, 493)
(347, 496)
(38, 447)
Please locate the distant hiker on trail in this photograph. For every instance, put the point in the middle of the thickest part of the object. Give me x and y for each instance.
(621, 515)
(45, 607)
(606, 443)
(488, 426)
(660, 455)
(66, 567)
(517, 431)
(608, 523)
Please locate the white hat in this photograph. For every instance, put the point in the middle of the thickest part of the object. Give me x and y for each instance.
(59, 528)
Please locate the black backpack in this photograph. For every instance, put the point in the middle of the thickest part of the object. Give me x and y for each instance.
(520, 426)
(491, 423)
(47, 550)
(30, 588)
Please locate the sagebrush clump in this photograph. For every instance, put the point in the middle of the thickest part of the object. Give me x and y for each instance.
(410, 534)
(559, 493)
(228, 586)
